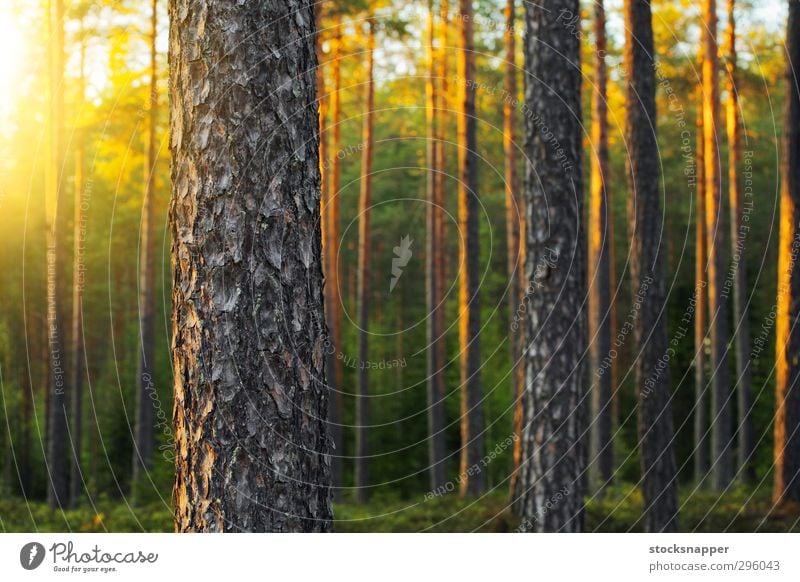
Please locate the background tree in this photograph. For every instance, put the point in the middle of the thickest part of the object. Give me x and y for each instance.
(58, 466)
(645, 219)
(741, 334)
(786, 486)
(250, 398)
(364, 248)
(145, 434)
(601, 454)
(555, 324)
(435, 385)
(472, 437)
(721, 419)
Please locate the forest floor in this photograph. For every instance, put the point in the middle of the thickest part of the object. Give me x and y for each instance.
(620, 510)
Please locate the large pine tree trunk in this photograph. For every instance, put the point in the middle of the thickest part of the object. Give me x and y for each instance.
(721, 405)
(786, 487)
(473, 479)
(58, 465)
(601, 453)
(333, 292)
(248, 337)
(701, 409)
(77, 354)
(146, 388)
(435, 388)
(660, 488)
(364, 237)
(550, 486)
(746, 444)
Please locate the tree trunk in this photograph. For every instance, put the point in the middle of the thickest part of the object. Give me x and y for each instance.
(77, 363)
(58, 465)
(660, 487)
(515, 258)
(721, 418)
(146, 393)
(435, 392)
(599, 326)
(248, 338)
(746, 444)
(473, 479)
(550, 488)
(701, 407)
(786, 487)
(443, 107)
(364, 236)
(333, 285)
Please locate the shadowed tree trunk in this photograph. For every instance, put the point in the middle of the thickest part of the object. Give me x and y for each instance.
(601, 455)
(746, 444)
(146, 392)
(248, 342)
(473, 479)
(435, 392)
(786, 487)
(333, 296)
(645, 218)
(549, 494)
(364, 237)
(77, 354)
(58, 465)
(721, 418)
(701, 408)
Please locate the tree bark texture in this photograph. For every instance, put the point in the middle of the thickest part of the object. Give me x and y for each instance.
(549, 493)
(251, 402)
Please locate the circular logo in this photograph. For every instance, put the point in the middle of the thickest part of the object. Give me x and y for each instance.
(31, 555)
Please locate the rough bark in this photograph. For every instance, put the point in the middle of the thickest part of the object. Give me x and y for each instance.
(601, 455)
(364, 236)
(473, 480)
(786, 486)
(146, 387)
(550, 487)
(78, 269)
(435, 387)
(746, 443)
(645, 220)
(721, 409)
(58, 465)
(248, 339)
(701, 405)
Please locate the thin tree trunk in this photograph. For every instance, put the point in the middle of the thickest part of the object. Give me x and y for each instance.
(721, 418)
(786, 487)
(550, 488)
(599, 326)
(443, 106)
(77, 363)
(248, 337)
(473, 479)
(660, 487)
(435, 392)
(701, 405)
(746, 444)
(515, 257)
(58, 465)
(364, 236)
(146, 392)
